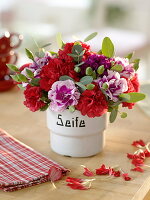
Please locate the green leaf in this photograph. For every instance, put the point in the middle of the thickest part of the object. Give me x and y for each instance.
(86, 80)
(22, 78)
(94, 75)
(46, 45)
(40, 54)
(77, 69)
(13, 67)
(117, 68)
(89, 71)
(100, 69)
(20, 86)
(136, 64)
(59, 40)
(29, 54)
(77, 49)
(15, 78)
(130, 55)
(81, 63)
(105, 86)
(90, 37)
(35, 82)
(123, 115)
(73, 55)
(44, 107)
(71, 109)
(81, 86)
(113, 115)
(132, 97)
(107, 47)
(53, 53)
(90, 86)
(65, 77)
(81, 54)
(30, 74)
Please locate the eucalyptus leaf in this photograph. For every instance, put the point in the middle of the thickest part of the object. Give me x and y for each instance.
(22, 78)
(94, 75)
(59, 40)
(46, 45)
(77, 69)
(82, 87)
(44, 107)
(117, 68)
(136, 64)
(73, 55)
(15, 78)
(130, 55)
(65, 77)
(89, 71)
(29, 54)
(30, 74)
(90, 86)
(20, 86)
(113, 115)
(123, 115)
(86, 80)
(105, 86)
(71, 109)
(13, 67)
(132, 97)
(107, 47)
(90, 37)
(81, 63)
(100, 69)
(35, 82)
(77, 49)
(82, 53)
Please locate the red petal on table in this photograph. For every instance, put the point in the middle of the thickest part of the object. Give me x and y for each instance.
(54, 174)
(116, 173)
(137, 162)
(135, 156)
(74, 180)
(87, 172)
(103, 170)
(77, 186)
(126, 177)
(138, 169)
(147, 153)
(138, 143)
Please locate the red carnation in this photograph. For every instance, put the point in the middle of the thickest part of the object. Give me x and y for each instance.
(32, 96)
(53, 70)
(92, 103)
(133, 86)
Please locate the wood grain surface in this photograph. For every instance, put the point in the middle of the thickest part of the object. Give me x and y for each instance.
(31, 129)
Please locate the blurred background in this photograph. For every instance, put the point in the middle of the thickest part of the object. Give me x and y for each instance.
(126, 22)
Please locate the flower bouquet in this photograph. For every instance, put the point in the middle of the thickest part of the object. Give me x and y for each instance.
(78, 80)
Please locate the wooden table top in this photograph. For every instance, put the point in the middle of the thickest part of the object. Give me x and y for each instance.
(31, 129)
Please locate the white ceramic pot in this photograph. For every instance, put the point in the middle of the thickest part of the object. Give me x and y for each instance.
(75, 135)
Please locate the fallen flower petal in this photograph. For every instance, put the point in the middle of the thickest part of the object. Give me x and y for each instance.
(87, 172)
(147, 153)
(77, 186)
(72, 180)
(126, 177)
(136, 156)
(138, 162)
(116, 173)
(103, 170)
(139, 143)
(138, 169)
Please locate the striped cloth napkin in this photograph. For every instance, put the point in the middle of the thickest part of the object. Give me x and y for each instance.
(21, 166)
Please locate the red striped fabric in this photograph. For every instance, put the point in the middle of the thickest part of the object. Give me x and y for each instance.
(21, 166)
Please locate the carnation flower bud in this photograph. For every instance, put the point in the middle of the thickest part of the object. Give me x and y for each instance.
(89, 71)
